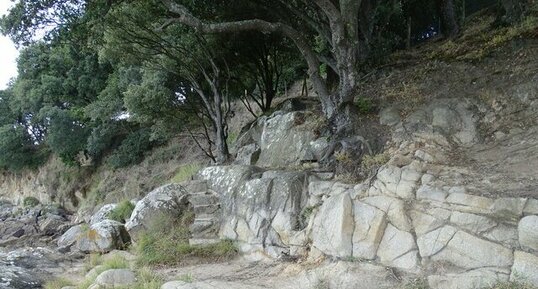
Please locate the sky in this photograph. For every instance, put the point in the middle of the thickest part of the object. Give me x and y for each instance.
(8, 52)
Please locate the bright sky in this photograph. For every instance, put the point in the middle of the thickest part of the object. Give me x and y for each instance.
(8, 52)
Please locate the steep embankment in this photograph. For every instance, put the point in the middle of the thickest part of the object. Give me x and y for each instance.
(451, 201)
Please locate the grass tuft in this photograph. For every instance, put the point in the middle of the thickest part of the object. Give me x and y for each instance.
(185, 173)
(58, 283)
(122, 212)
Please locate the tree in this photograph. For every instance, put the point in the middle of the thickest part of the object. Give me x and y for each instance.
(449, 18)
(178, 65)
(346, 26)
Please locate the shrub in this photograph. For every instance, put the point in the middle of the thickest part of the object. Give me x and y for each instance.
(30, 202)
(147, 279)
(168, 244)
(122, 211)
(132, 149)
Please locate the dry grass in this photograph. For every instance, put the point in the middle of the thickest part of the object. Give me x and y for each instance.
(480, 39)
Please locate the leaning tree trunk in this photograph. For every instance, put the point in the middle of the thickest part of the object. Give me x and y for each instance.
(221, 144)
(449, 21)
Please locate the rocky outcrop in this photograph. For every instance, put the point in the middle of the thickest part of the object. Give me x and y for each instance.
(20, 226)
(284, 139)
(101, 237)
(159, 206)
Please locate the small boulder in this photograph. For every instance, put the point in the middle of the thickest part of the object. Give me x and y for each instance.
(166, 202)
(528, 232)
(115, 278)
(104, 236)
(102, 213)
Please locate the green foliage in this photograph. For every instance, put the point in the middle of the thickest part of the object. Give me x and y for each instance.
(365, 105)
(131, 150)
(122, 211)
(100, 265)
(146, 279)
(30, 202)
(17, 150)
(66, 137)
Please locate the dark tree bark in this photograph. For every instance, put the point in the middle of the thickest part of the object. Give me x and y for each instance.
(513, 10)
(449, 21)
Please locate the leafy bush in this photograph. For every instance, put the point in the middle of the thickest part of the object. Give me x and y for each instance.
(122, 211)
(131, 150)
(30, 202)
(17, 150)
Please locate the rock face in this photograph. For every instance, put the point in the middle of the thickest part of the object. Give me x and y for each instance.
(17, 278)
(528, 232)
(332, 231)
(21, 227)
(162, 204)
(286, 138)
(102, 213)
(26, 268)
(101, 237)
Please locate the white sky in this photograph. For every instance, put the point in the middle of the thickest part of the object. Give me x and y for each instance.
(8, 52)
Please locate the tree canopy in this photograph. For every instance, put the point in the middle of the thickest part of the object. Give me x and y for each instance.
(108, 80)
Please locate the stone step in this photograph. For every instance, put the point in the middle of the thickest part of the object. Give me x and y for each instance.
(195, 186)
(203, 198)
(202, 241)
(206, 209)
(205, 217)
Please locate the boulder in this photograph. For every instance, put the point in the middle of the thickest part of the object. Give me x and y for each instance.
(13, 277)
(102, 213)
(370, 224)
(467, 251)
(398, 249)
(332, 231)
(285, 140)
(528, 232)
(159, 206)
(70, 237)
(104, 236)
(525, 268)
(52, 224)
(248, 155)
(115, 278)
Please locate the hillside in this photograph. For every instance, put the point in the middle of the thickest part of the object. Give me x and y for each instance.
(433, 185)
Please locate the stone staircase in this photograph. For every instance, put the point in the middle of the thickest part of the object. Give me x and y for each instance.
(206, 206)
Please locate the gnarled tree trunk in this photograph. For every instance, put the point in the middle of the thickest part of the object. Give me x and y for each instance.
(341, 32)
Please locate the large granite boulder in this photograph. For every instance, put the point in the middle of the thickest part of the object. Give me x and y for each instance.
(104, 236)
(164, 203)
(101, 237)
